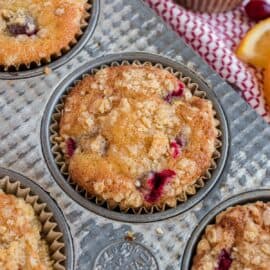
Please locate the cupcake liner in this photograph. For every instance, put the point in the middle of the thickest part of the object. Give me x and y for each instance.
(50, 231)
(209, 6)
(59, 156)
(91, 10)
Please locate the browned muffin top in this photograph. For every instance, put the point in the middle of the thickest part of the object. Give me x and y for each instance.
(31, 30)
(136, 136)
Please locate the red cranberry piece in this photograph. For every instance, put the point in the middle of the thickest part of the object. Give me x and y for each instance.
(258, 9)
(224, 260)
(177, 145)
(27, 28)
(175, 149)
(176, 93)
(71, 146)
(156, 183)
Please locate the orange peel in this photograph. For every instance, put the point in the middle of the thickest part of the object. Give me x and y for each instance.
(255, 46)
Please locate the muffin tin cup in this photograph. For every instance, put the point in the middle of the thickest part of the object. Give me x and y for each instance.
(239, 199)
(54, 157)
(56, 141)
(65, 55)
(54, 227)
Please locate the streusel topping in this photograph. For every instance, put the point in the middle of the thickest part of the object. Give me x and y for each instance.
(136, 136)
(21, 246)
(240, 239)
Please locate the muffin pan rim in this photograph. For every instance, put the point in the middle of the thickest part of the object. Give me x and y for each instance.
(66, 57)
(242, 198)
(69, 80)
(54, 208)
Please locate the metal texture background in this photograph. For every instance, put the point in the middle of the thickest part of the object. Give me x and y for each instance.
(127, 25)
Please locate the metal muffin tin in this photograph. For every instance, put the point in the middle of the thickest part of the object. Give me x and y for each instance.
(71, 79)
(63, 59)
(239, 199)
(52, 206)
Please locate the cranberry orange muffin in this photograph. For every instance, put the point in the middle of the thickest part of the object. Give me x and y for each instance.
(240, 239)
(21, 246)
(35, 30)
(135, 136)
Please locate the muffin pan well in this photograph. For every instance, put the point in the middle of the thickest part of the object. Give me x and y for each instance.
(52, 154)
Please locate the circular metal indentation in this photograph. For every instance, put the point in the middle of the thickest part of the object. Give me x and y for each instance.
(58, 216)
(69, 81)
(56, 63)
(125, 255)
(239, 199)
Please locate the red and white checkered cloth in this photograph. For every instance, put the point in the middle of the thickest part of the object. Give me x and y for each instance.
(215, 37)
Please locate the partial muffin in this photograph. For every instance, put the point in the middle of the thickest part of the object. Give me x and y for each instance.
(240, 239)
(210, 6)
(135, 136)
(35, 30)
(21, 245)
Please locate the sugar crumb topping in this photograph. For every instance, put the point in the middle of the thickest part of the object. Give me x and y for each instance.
(21, 245)
(126, 127)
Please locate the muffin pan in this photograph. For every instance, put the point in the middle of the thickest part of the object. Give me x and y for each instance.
(239, 199)
(52, 156)
(36, 70)
(128, 25)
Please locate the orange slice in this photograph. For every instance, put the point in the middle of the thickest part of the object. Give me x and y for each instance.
(255, 46)
(266, 88)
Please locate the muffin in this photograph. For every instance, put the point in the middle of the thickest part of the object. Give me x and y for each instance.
(32, 31)
(240, 239)
(21, 245)
(209, 5)
(135, 136)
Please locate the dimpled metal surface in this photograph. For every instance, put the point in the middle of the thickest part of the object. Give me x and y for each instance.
(129, 25)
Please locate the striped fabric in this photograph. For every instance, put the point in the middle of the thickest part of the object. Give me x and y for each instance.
(214, 37)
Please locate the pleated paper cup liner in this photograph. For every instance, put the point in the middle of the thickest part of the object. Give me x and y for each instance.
(50, 230)
(209, 6)
(87, 27)
(59, 157)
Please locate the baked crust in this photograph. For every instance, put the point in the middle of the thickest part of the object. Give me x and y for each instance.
(57, 23)
(21, 246)
(242, 235)
(125, 122)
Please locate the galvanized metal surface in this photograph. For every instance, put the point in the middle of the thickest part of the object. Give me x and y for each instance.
(127, 25)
